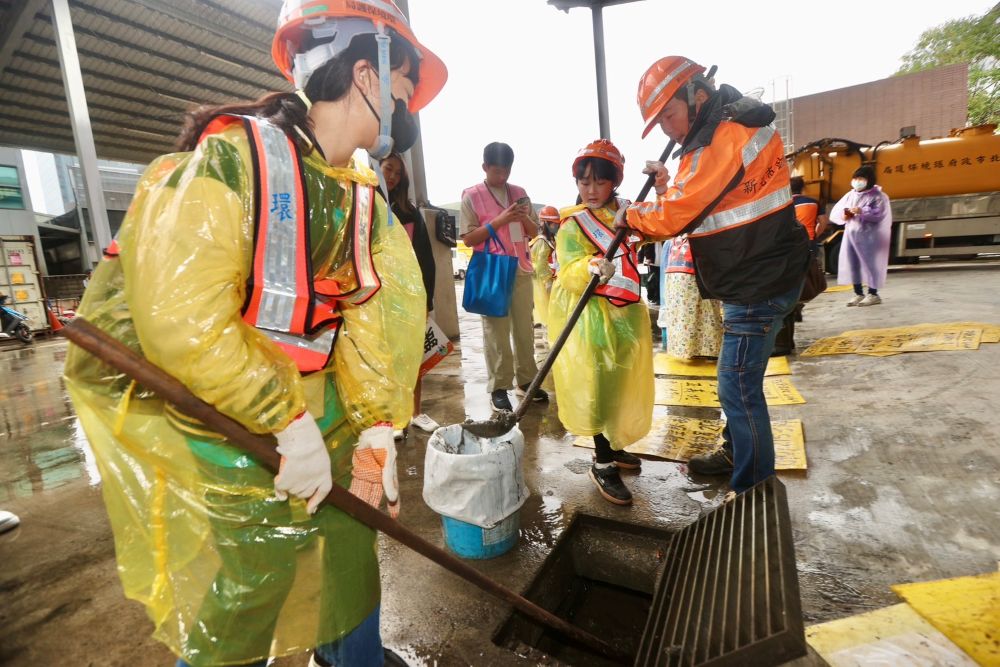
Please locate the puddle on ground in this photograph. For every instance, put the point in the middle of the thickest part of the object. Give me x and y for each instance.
(43, 446)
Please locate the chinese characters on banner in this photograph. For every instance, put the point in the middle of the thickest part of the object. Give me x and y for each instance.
(915, 338)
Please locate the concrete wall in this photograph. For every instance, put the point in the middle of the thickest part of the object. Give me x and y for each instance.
(935, 101)
(445, 302)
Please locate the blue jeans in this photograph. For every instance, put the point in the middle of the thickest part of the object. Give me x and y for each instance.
(747, 343)
(360, 646)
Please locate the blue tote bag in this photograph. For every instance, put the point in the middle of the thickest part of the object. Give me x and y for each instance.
(489, 280)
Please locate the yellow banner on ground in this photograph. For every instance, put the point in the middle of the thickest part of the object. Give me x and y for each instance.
(680, 438)
(664, 364)
(837, 288)
(705, 393)
(896, 635)
(966, 610)
(913, 338)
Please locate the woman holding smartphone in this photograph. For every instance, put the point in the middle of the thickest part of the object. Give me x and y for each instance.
(499, 207)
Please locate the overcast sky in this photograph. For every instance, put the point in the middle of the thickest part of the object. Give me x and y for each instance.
(522, 72)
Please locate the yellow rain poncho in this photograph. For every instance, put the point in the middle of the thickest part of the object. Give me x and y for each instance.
(221, 566)
(541, 254)
(604, 375)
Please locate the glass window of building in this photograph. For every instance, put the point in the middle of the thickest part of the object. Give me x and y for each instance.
(10, 188)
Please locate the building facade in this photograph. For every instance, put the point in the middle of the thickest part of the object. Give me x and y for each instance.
(929, 104)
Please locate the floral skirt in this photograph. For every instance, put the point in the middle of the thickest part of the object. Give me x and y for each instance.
(693, 324)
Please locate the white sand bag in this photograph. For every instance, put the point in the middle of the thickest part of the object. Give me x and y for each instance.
(475, 480)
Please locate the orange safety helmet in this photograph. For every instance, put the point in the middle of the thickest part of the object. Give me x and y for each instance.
(605, 150)
(298, 17)
(660, 83)
(549, 214)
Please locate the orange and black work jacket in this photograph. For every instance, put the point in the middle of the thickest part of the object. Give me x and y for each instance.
(731, 197)
(807, 213)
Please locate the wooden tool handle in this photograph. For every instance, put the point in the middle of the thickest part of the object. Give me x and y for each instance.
(261, 447)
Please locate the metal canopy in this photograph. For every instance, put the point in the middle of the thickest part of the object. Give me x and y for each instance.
(144, 63)
(566, 5)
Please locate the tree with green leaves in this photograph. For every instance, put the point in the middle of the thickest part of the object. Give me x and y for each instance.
(974, 40)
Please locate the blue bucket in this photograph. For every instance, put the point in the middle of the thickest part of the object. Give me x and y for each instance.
(470, 541)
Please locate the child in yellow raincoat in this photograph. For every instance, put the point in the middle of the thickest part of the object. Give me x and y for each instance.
(543, 260)
(260, 269)
(604, 375)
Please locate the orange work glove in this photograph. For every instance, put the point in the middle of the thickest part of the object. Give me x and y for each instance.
(374, 468)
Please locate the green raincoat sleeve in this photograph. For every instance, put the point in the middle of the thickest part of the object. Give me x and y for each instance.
(378, 354)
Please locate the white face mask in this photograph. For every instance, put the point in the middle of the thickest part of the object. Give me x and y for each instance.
(859, 184)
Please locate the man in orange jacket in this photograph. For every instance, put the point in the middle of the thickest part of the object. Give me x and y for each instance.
(731, 198)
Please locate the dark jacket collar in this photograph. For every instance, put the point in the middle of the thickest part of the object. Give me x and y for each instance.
(726, 104)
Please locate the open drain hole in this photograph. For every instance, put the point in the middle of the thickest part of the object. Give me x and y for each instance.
(720, 592)
(600, 577)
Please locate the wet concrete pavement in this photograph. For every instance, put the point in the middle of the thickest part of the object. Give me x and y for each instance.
(903, 485)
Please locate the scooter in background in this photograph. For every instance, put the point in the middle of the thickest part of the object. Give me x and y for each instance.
(14, 323)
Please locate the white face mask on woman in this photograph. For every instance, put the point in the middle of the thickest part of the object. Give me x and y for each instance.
(859, 184)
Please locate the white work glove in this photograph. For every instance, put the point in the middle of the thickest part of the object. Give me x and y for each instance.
(374, 471)
(662, 175)
(305, 463)
(601, 268)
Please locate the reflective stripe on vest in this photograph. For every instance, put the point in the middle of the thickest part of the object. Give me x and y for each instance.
(680, 259)
(623, 288)
(360, 230)
(283, 303)
(744, 213)
(756, 164)
(666, 82)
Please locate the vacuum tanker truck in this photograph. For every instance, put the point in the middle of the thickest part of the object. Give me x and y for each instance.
(945, 192)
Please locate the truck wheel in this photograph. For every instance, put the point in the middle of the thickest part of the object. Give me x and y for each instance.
(23, 333)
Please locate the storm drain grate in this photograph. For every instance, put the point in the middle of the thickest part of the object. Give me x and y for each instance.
(729, 593)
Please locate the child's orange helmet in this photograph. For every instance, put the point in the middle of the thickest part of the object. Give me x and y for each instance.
(604, 149)
(549, 214)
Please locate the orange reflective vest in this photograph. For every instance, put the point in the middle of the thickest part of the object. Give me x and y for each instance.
(731, 196)
(623, 288)
(806, 212)
(284, 301)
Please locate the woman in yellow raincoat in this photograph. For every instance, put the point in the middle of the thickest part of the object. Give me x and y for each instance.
(260, 269)
(604, 376)
(543, 261)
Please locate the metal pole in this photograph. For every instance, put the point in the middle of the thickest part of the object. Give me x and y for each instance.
(79, 115)
(597, 13)
(84, 237)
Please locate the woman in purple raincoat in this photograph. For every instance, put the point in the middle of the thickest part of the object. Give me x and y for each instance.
(864, 255)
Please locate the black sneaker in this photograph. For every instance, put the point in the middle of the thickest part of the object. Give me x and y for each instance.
(625, 460)
(540, 394)
(610, 484)
(499, 400)
(719, 462)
